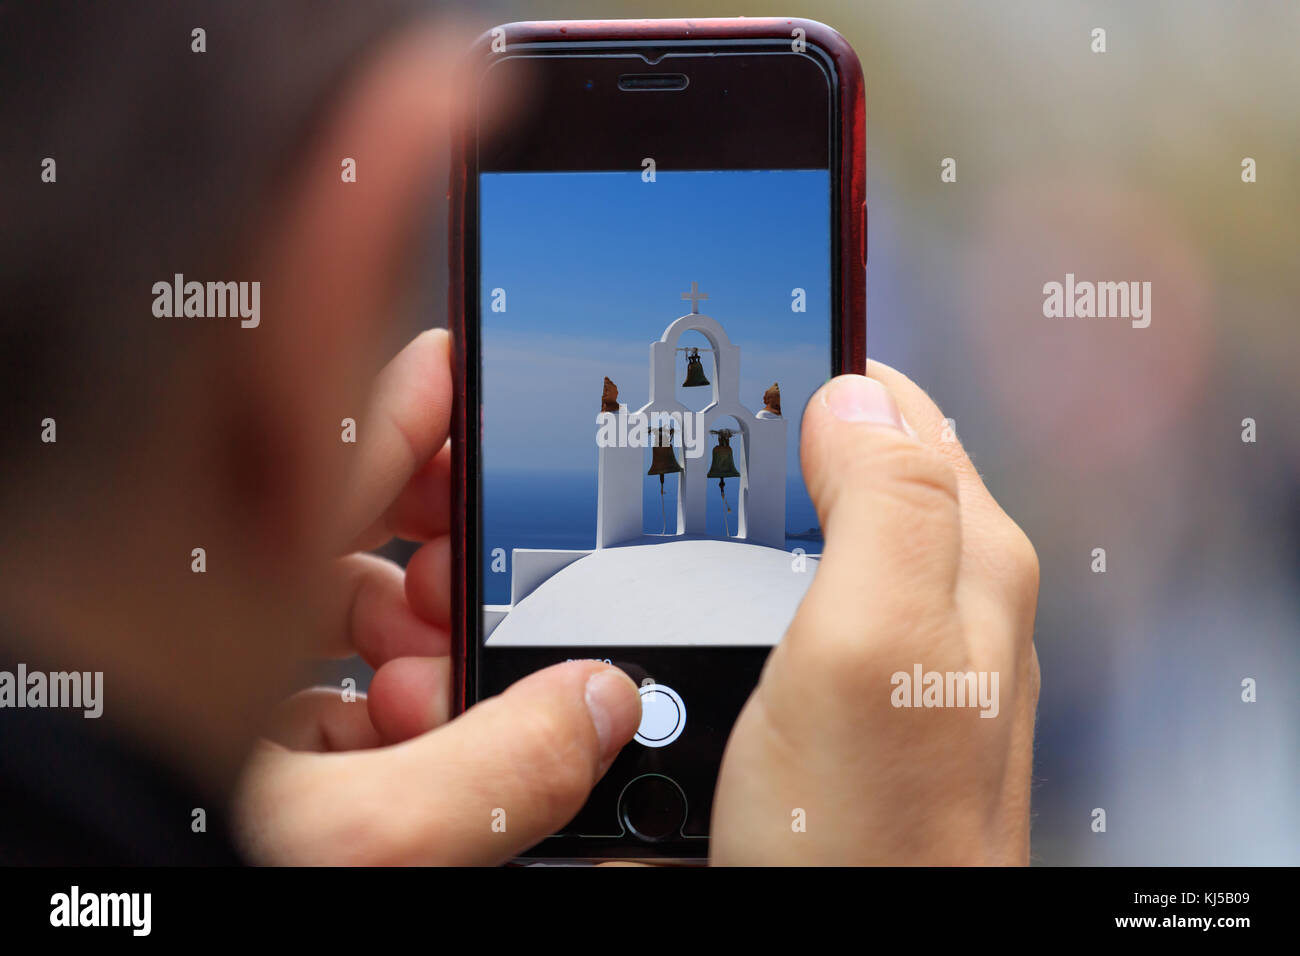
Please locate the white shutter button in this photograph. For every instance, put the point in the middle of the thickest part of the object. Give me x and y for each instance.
(663, 716)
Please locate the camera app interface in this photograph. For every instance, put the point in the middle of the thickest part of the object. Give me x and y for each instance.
(648, 345)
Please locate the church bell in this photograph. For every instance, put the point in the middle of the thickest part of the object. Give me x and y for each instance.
(724, 465)
(694, 371)
(663, 461)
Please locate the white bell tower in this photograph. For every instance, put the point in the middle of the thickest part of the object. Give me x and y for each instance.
(759, 448)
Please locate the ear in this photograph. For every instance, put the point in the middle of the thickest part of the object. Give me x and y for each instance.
(337, 259)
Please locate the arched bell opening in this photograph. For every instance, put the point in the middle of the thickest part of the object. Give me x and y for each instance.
(663, 458)
(696, 377)
(727, 499)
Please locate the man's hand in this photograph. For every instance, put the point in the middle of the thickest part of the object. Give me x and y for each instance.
(921, 568)
(380, 780)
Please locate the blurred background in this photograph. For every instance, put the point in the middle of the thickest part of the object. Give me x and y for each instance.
(1116, 166)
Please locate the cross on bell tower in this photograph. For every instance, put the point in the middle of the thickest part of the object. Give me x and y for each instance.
(695, 295)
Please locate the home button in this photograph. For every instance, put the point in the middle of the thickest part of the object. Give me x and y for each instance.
(652, 807)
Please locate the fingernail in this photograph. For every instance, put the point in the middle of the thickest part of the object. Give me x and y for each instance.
(615, 708)
(856, 398)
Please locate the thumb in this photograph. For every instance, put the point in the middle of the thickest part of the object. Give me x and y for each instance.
(503, 776)
(888, 507)
(515, 768)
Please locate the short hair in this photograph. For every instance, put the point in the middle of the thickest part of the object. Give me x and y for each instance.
(163, 157)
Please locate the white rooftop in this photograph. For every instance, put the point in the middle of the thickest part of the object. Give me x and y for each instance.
(672, 590)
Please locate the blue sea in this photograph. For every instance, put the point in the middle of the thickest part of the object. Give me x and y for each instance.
(558, 510)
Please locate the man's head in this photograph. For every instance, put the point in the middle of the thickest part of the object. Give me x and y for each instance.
(209, 141)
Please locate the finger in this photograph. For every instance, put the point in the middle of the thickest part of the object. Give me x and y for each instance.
(410, 696)
(404, 428)
(623, 863)
(527, 758)
(428, 582)
(498, 779)
(420, 512)
(373, 617)
(889, 512)
(998, 559)
(933, 429)
(322, 720)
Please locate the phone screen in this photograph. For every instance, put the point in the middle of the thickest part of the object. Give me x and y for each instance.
(647, 349)
(653, 278)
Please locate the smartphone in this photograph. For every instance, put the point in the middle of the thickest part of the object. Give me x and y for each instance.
(656, 261)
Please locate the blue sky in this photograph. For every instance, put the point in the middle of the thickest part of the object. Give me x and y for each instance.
(593, 266)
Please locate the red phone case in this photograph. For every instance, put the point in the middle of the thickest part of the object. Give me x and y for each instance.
(852, 237)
